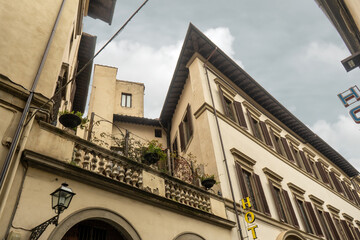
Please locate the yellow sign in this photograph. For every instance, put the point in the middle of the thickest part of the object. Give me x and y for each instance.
(249, 216)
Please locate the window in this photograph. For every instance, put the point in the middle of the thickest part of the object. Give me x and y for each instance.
(323, 224)
(227, 105)
(186, 129)
(255, 127)
(297, 156)
(304, 216)
(126, 100)
(158, 133)
(277, 143)
(250, 184)
(279, 203)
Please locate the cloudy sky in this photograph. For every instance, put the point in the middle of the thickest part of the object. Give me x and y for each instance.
(288, 46)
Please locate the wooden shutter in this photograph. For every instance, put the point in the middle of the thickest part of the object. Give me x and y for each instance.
(287, 149)
(265, 133)
(189, 118)
(290, 209)
(277, 148)
(241, 180)
(313, 219)
(336, 182)
(331, 225)
(182, 136)
(306, 162)
(346, 229)
(251, 123)
(322, 172)
(265, 206)
(356, 196)
(357, 233)
(352, 228)
(348, 193)
(226, 112)
(277, 203)
(240, 114)
(297, 160)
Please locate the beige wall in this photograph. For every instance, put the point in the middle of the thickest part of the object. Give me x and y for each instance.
(137, 98)
(150, 222)
(354, 8)
(102, 98)
(23, 45)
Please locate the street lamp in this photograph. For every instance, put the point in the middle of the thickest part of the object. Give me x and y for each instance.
(60, 200)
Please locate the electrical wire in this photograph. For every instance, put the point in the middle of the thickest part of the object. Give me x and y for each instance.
(90, 60)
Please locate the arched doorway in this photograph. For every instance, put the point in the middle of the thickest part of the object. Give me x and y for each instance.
(94, 230)
(290, 235)
(189, 236)
(95, 224)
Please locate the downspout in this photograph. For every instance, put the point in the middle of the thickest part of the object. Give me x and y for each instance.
(222, 146)
(20, 127)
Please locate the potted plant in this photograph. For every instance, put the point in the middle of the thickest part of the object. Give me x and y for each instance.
(71, 119)
(153, 153)
(208, 181)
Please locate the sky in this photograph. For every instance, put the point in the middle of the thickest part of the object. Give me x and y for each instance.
(287, 46)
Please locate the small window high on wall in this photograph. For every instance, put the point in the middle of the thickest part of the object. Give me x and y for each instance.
(126, 100)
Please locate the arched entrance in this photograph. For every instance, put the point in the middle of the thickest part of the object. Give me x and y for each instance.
(95, 224)
(189, 236)
(93, 229)
(290, 235)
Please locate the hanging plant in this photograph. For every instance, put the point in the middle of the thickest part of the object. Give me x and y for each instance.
(152, 153)
(208, 181)
(72, 120)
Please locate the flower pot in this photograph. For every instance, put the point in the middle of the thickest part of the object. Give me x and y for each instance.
(208, 183)
(70, 120)
(151, 158)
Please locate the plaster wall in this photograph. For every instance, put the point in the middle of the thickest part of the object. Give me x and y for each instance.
(354, 8)
(23, 45)
(139, 132)
(148, 220)
(102, 98)
(137, 98)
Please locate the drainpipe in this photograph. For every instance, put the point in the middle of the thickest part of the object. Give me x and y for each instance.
(20, 127)
(222, 146)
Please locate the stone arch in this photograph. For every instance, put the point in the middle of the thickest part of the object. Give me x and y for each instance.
(188, 236)
(290, 235)
(110, 217)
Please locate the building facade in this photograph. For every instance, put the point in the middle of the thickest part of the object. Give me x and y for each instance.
(276, 178)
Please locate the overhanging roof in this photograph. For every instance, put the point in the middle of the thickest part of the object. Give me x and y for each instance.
(195, 41)
(102, 9)
(136, 120)
(86, 52)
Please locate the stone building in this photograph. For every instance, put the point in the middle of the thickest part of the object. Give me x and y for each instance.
(297, 185)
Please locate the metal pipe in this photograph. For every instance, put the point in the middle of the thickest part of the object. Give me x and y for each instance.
(25, 112)
(222, 146)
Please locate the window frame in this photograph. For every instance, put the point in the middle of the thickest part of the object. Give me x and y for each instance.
(125, 103)
(186, 129)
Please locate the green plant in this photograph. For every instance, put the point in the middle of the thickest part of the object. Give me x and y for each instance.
(154, 149)
(207, 177)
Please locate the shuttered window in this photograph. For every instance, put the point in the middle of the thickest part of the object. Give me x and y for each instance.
(356, 195)
(346, 229)
(279, 202)
(339, 228)
(186, 129)
(290, 209)
(347, 190)
(227, 106)
(305, 162)
(277, 143)
(255, 127)
(265, 134)
(304, 216)
(287, 149)
(336, 182)
(297, 158)
(323, 224)
(250, 186)
(322, 172)
(240, 114)
(313, 219)
(331, 225)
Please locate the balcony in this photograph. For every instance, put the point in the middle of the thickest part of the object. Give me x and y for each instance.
(63, 153)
